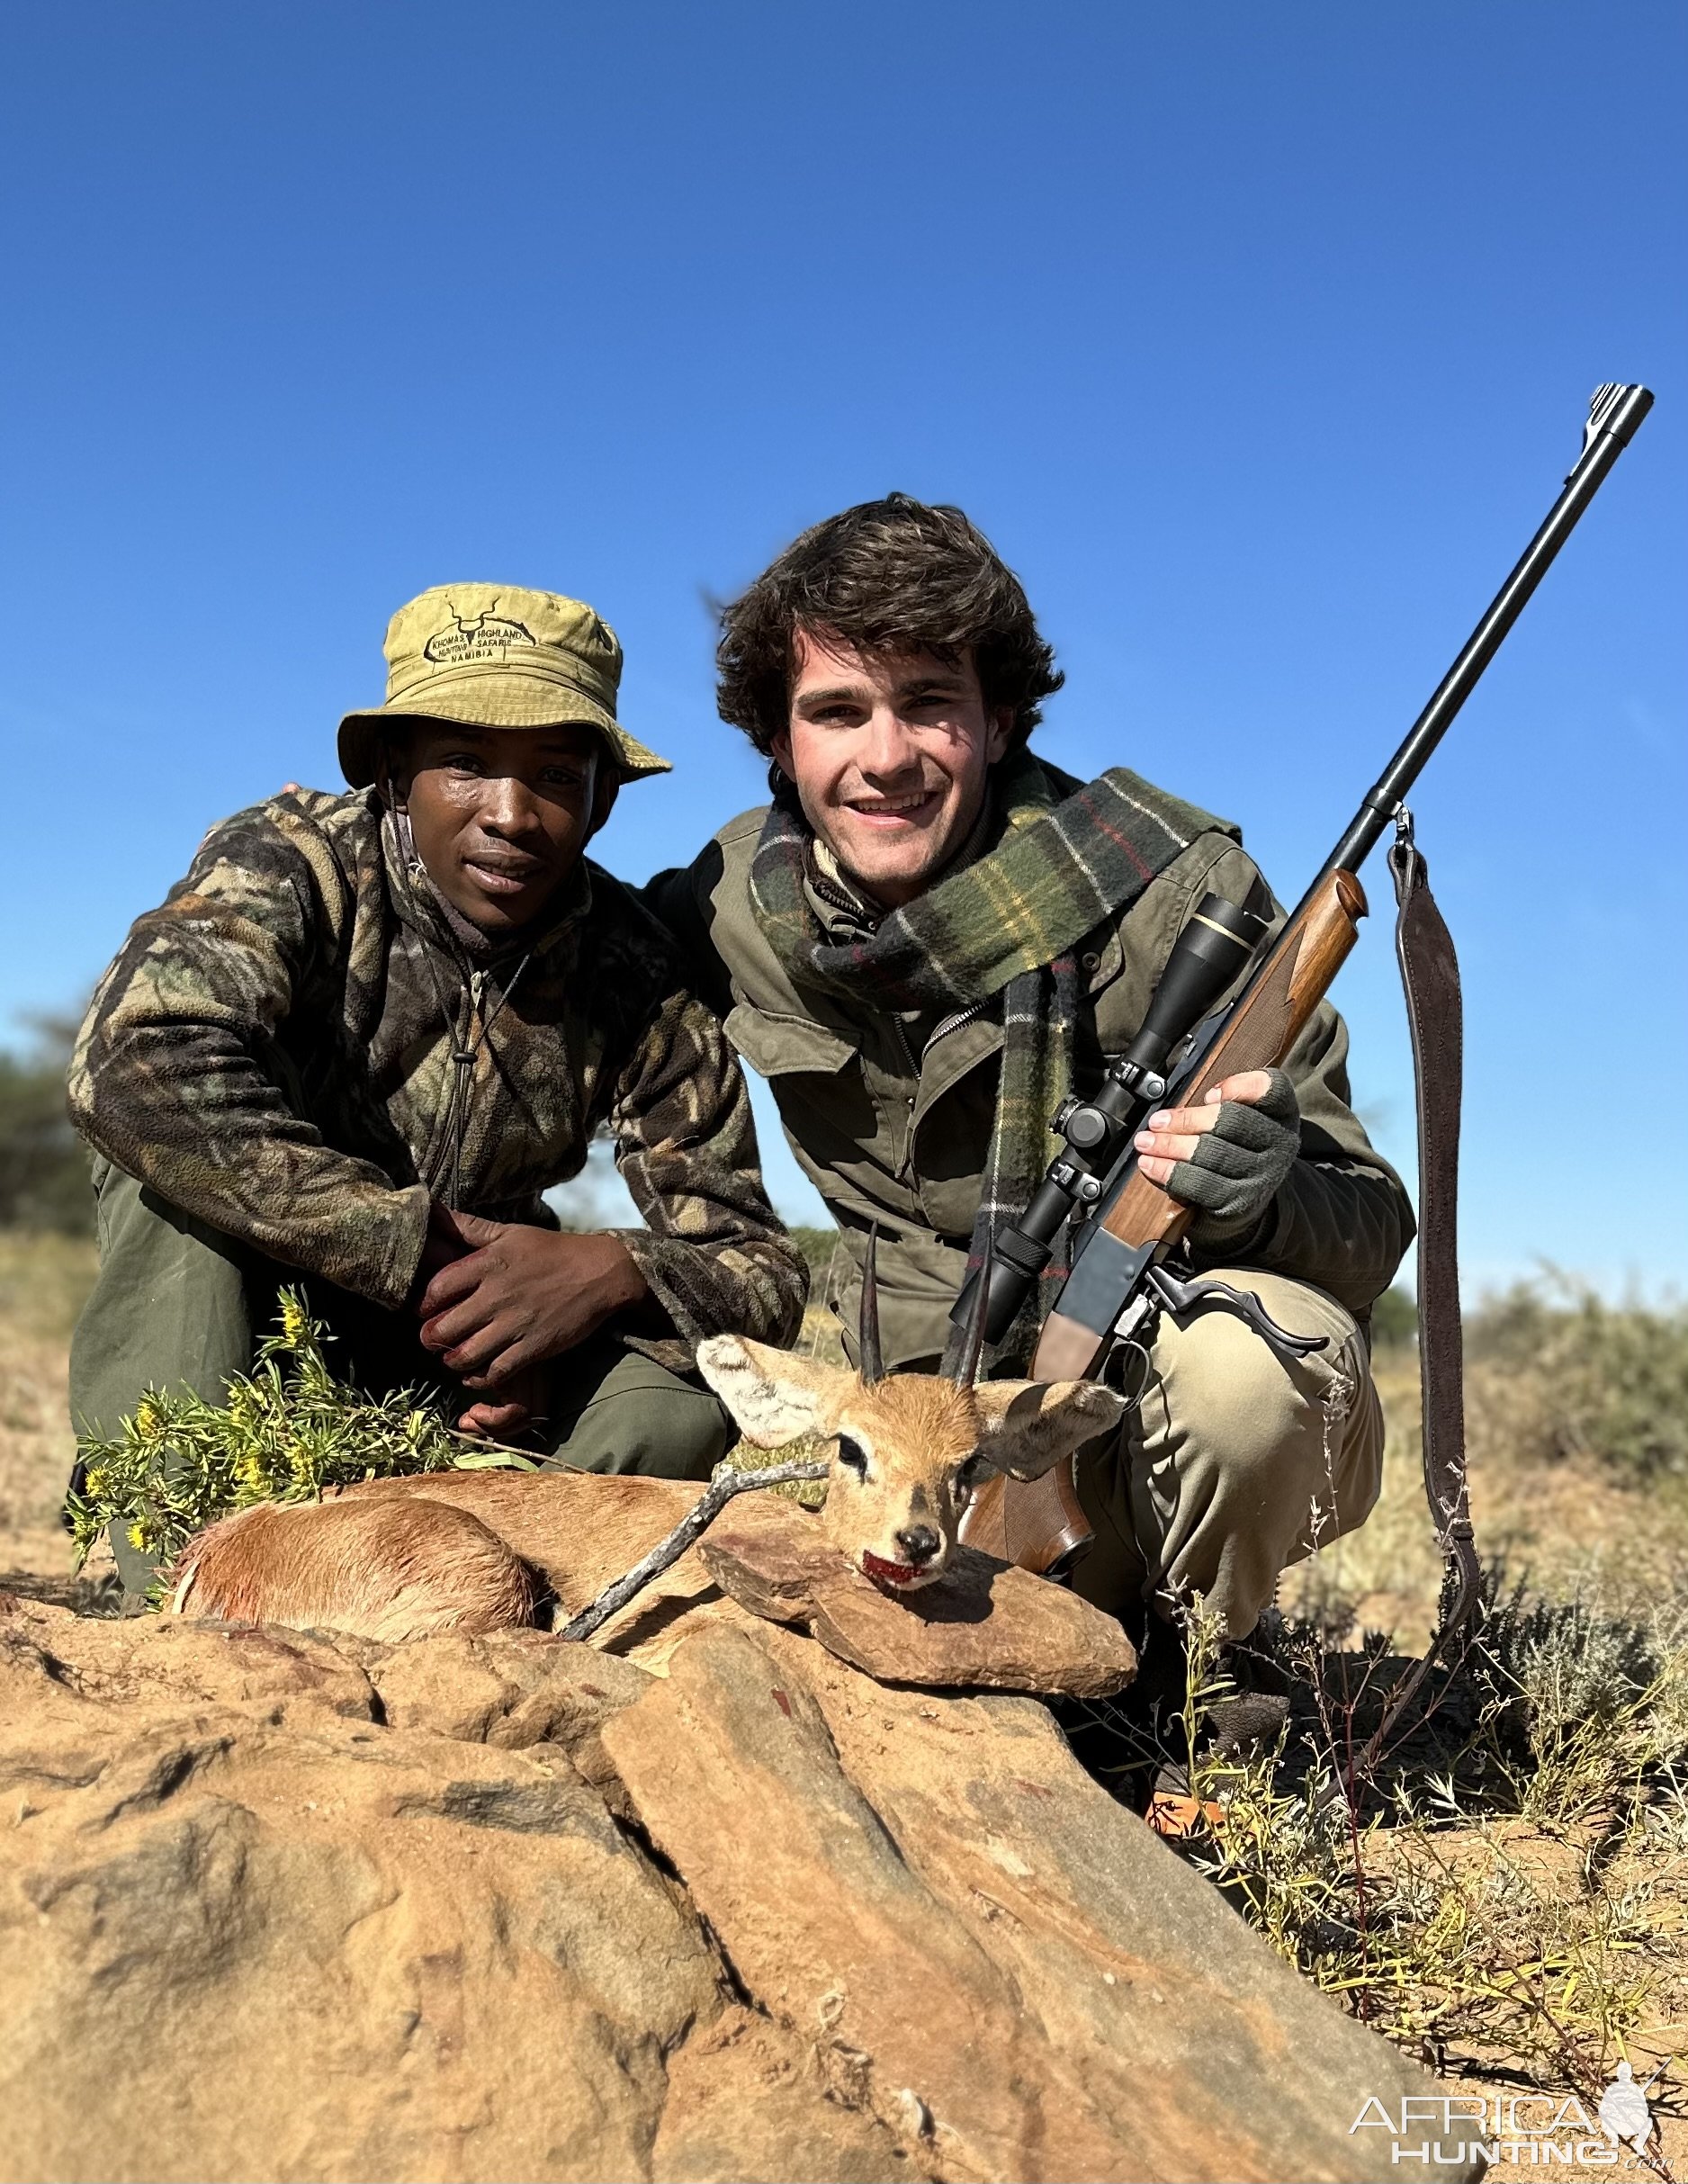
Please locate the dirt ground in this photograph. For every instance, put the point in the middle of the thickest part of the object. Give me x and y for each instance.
(1561, 1524)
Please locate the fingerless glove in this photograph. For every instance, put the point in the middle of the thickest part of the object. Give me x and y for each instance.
(1240, 1164)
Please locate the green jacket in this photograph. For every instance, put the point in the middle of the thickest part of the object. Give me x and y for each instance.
(272, 1049)
(891, 1118)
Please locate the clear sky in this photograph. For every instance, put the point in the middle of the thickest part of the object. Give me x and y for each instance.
(1257, 338)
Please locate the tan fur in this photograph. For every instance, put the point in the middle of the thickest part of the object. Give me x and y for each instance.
(348, 1566)
(917, 1431)
(397, 1558)
(582, 1529)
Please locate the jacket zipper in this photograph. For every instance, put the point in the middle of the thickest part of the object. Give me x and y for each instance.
(939, 1030)
(905, 1162)
(448, 1161)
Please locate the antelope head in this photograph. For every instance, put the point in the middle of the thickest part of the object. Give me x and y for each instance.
(907, 1448)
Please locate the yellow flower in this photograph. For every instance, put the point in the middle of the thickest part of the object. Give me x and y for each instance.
(294, 1324)
(138, 1537)
(147, 1418)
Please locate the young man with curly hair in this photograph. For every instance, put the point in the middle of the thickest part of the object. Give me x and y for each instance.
(929, 935)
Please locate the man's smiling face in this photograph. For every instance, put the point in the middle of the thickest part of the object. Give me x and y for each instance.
(889, 753)
(500, 815)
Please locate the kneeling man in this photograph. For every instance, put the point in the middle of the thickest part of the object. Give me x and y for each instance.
(907, 944)
(365, 1033)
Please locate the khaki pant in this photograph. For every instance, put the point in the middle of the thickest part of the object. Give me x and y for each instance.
(179, 1307)
(1234, 1462)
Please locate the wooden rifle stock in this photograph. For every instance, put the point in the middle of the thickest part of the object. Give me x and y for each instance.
(1039, 1523)
(1263, 1025)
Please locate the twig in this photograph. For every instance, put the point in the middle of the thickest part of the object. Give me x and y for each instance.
(722, 1486)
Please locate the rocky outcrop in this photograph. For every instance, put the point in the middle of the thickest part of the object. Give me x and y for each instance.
(980, 1625)
(277, 1904)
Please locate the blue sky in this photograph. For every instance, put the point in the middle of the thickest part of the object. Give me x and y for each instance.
(1258, 338)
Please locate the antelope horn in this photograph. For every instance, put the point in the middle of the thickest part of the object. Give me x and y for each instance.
(971, 1349)
(870, 1358)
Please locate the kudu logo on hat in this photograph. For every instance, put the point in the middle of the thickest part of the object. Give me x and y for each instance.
(497, 656)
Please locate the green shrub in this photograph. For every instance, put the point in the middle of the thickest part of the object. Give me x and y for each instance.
(1394, 1321)
(1557, 1370)
(818, 1246)
(43, 1167)
(288, 1431)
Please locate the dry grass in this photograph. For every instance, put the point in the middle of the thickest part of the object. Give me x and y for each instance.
(1509, 1899)
(44, 1280)
(1564, 1522)
(1506, 1895)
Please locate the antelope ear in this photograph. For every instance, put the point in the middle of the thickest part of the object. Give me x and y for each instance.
(775, 1397)
(1030, 1425)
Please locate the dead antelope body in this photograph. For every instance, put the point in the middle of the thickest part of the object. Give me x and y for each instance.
(905, 1450)
(487, 1549)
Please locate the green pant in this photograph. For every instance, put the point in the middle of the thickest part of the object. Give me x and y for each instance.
(178, 1306)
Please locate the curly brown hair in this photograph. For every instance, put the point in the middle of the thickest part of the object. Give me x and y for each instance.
(886, 576)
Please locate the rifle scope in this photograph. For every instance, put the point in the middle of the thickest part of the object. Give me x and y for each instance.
(1211, 952)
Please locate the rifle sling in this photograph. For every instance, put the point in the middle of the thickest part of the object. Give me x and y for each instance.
(1429, 981)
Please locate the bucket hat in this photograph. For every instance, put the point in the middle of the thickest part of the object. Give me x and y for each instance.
(497, 656)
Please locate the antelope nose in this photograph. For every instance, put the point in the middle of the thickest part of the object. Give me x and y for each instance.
(919, 1543)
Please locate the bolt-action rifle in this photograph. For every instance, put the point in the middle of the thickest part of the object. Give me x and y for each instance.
(1123, 1229)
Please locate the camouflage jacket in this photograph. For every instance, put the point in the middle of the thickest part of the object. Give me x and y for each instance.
(891, 1117)
(273, 1052)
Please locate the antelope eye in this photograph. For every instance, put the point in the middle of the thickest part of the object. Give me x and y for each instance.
(973, 1474)
(851, 1452)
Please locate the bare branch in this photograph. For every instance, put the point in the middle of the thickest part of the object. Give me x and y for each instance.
(722, 1486)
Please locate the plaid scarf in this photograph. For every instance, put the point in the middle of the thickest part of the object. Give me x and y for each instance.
(1008, 923)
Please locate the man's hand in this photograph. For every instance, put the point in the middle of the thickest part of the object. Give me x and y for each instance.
(1228, 1157)
(516, 1413)
(517, 1296)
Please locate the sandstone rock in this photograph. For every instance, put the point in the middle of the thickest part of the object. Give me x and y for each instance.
(280, 1675)
(511, 1688)
(935, 1891)
(315, 1947)
(276, 1905)
(981, 1623)
(743, 2105)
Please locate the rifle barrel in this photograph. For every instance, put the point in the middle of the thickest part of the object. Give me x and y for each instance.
(1613, 417)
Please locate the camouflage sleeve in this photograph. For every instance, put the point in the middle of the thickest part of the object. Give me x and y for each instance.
(716, 1253)
(679, 900)
(177, 1075)
(1342, 1219)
